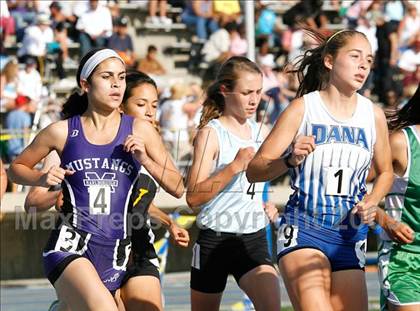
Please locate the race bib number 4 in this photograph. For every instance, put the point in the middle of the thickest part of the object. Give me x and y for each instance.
(99, 200)
(338, 181)
(252, 191)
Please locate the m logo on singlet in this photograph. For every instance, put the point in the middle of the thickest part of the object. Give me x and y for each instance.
(326, 134)
(107, 179)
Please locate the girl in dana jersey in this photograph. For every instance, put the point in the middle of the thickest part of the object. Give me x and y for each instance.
(231, 217)
(322, 236)
(399, 250)
(101, 151)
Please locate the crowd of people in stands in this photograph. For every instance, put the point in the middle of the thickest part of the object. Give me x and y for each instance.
(42, 32)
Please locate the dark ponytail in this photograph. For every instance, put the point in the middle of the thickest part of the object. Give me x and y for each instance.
(310, 69)
(77, 102)
(75, 105)
(406, 116)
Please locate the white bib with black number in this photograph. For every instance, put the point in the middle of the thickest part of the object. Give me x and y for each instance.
(286, 237)
(338, 181)
(252, 191)
(99, 200)
(71, 241)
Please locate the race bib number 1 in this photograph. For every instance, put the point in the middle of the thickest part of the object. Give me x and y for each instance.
(99, 200)
(338, 181)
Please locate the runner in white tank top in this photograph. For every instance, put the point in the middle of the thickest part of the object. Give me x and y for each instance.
(232, 239)
(238, 208)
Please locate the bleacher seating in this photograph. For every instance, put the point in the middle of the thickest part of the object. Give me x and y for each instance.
(173, 41)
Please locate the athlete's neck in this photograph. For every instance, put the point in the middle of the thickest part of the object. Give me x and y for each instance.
(340, 104)
(239, 127)
(101, 120)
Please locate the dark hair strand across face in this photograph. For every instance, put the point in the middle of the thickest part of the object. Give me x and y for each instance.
(406, 116)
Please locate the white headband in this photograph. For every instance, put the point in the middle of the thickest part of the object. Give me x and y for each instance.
(95, 60)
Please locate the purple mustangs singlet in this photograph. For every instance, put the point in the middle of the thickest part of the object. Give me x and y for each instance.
(93, 218)
(97, 194)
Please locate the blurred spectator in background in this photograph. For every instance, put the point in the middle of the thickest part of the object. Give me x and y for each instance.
(386, 57)
(394, 12)
(192, 108)
(374, 11)
(292, 41)
(195, 99)
(7, 23)
(8, 86)
(263, 48)
(409, 27)
(322, 23)
(199, 14)
(95, 27)
(238, 43)
(37, 41)
(114, 8)
(357, 9)
(303, 13)
(42, 6)
(226, 11)
(3, 182)
(265, 22)
(150, 64)
(153, 8)
(216, 49)
(60, 24)
(51, 112)
(369, 29)
(174, 122)
(29, 81)
(18, 122)
(68, 11)
(271, 88)
(121, 42)
(409, 62)
(23, 13)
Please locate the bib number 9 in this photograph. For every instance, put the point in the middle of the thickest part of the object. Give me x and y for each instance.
(287, 237)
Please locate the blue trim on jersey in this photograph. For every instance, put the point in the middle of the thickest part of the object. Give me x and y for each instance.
(352, 177)
(310, 205)
(320, 194)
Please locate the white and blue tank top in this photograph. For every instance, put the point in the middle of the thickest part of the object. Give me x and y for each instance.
(332, 179)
